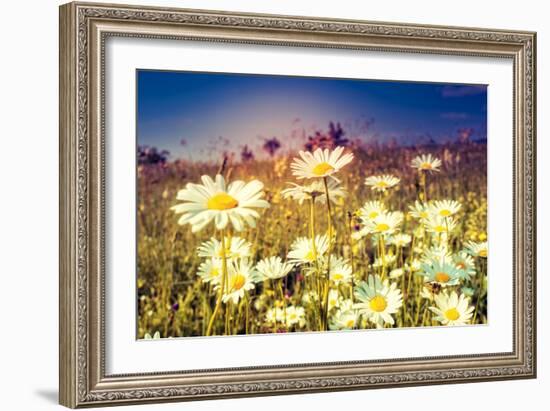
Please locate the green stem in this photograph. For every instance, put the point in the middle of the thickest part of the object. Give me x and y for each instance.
(329, 229)
(222, 288)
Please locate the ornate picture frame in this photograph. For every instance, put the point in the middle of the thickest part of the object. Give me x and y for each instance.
(84, 28)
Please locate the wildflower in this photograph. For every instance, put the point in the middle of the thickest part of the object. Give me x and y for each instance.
(215, 201)
(315, 191)
(333, 299)
(465, 264)
(273, 268)
(477, 249)
(440, 225)
(437, 253)
(442, 272)
(379, 300)
(452, 309)
(400, 240)
(210, 271)
(371, 210)
(344, 320)
(320, 163)
(295, 316)
(274, 315)
(445, 208)
(396, 273)
(381, 183)
(385, 223)
(241, 278)
(387, 260)
(340, 271)
(235, 247)
(426, 162)
(419, 210)
(302, 251)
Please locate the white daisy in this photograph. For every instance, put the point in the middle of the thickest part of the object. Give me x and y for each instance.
(426, 162)
(273, 267)
(396, 273)
(295, 316)
(371, 210)
(210, 271)
(333, 299)
(387, 260)
(241, 278)
(310, 297)
(379, 300)
(235, 247)
(445, 208)
(439, 253)
(316, 191)
(344, 320)
(320, 163)
(215, 201)
(381, 183)
(419, 210)
(465, 264)
(477, 249)
(440, 225)
(414, 266)
(385, 223)
(275, 315)
(302, 251)
(452, 309)
(441, 272)
(400, 240)
(340, 271)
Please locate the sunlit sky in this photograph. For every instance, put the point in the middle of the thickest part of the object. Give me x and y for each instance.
(199, 108)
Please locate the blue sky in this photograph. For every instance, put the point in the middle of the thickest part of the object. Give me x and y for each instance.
(199, 108)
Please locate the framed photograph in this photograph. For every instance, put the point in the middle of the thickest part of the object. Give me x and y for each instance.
(258, 204)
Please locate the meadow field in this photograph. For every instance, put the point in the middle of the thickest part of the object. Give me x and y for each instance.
(395, 245)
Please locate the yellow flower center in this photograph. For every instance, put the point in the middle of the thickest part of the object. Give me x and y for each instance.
(439, 229)
(382, 227)
(483, 253)
(381, 184)
(373, 214)
(222, 201)
(309, 256)
(322, 168)
(445, 213)
(378, 304)
(423, 214)
(461, 265)
(237, 282)
(337, 277)
(442, 277)
(227, 252)
(452, 314)
(426, 166)
(350, 323)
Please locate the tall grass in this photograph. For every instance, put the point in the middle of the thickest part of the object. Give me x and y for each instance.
(173, 301)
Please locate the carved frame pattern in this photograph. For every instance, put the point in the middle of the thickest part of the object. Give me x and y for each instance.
(83, 30)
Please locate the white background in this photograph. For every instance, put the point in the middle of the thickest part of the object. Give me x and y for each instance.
(126, 355)
(28, 217)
